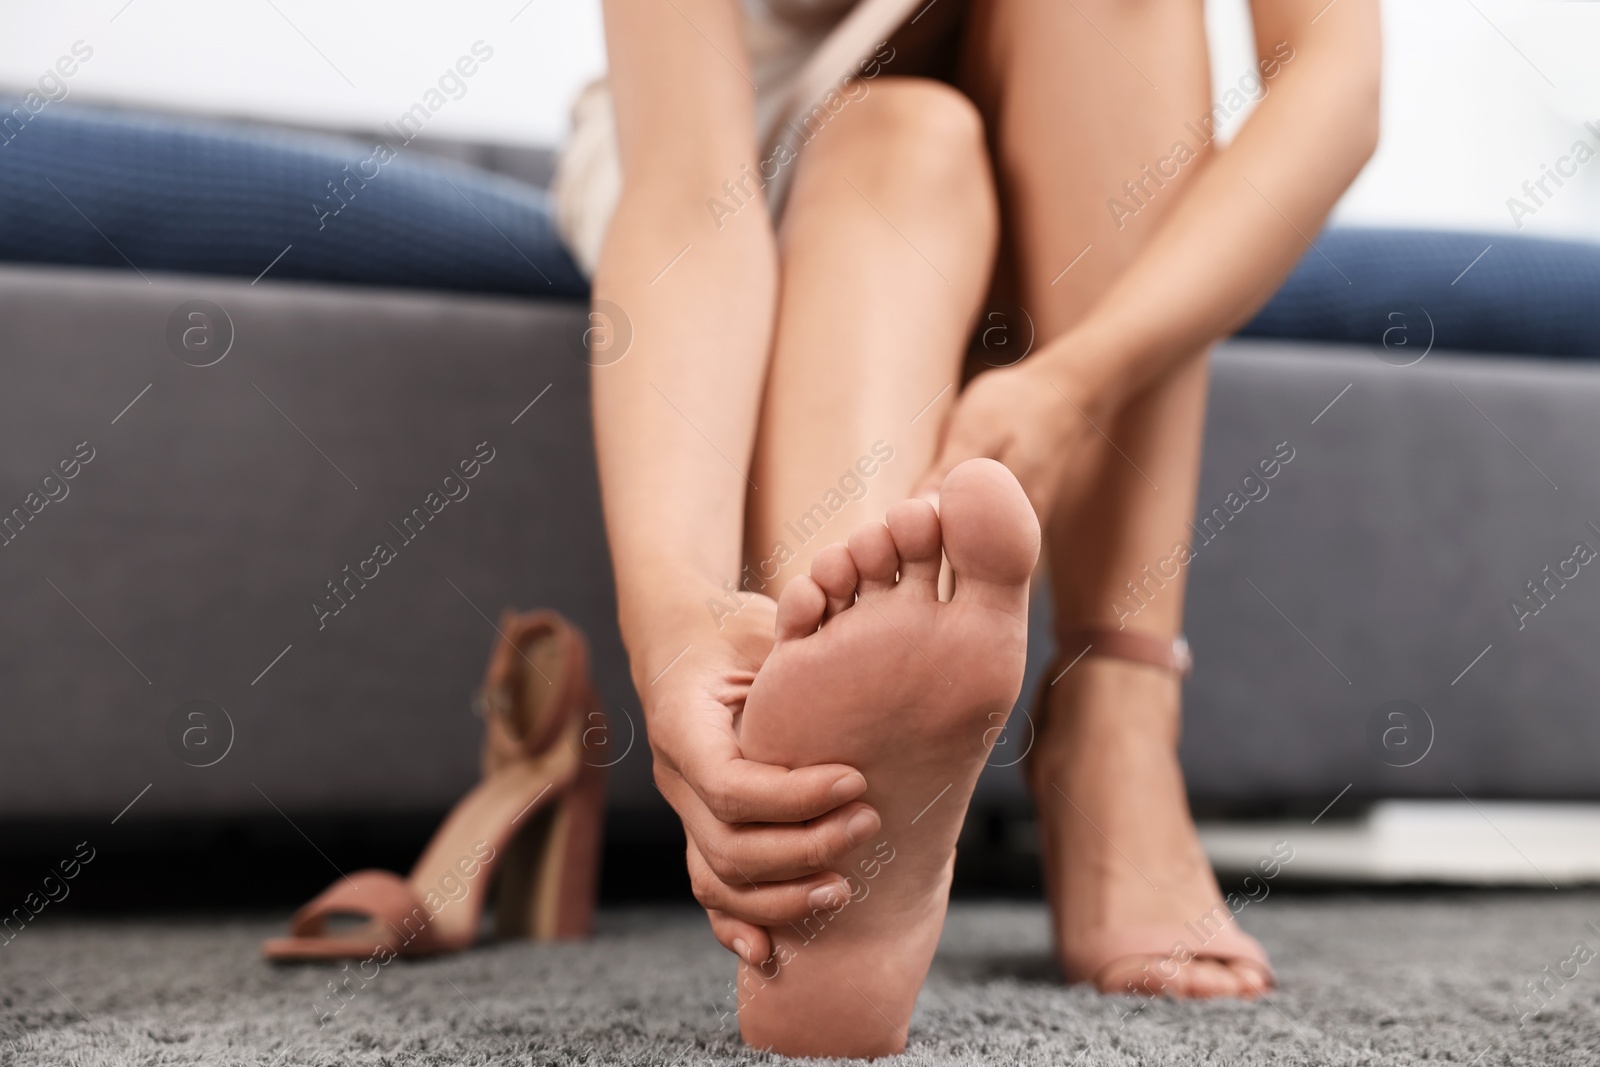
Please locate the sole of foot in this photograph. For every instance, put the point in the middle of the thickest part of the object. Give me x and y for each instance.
(1120, 846)
(872, 669)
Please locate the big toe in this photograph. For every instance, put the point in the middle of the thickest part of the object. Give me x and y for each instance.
(991, 535)
(1206, 980)
(1200, 979)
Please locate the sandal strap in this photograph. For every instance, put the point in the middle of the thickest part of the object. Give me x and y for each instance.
(380, 895)
(1204, 939)
(1168, 653)
(508, 736)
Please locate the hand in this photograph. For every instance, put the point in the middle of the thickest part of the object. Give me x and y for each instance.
(1034, 416)
(761, 838)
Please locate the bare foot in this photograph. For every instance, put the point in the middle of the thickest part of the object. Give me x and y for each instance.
(878, 673)
(1119, 844)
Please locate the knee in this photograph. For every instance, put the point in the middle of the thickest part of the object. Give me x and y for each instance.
(919, 112)
(913, 132)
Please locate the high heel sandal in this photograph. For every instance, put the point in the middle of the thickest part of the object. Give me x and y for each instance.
(532, 825)
(1205, 937)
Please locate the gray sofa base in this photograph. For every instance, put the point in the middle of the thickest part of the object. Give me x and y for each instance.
(183, 561)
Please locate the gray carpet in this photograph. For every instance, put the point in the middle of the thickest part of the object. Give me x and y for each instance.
(1365, 981)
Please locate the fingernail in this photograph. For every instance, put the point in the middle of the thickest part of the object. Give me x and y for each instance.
(741, 948)
(827, 896)
(862, 825)
(849, 787)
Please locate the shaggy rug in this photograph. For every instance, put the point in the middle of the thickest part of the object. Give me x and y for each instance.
(1365, 980)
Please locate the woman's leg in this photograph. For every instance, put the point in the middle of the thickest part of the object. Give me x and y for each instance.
(1082, 98)
(886, 250)
(887, 245)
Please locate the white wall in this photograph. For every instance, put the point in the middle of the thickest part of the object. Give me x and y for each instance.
(248, 57)
(1467, 114)
(1467, 119)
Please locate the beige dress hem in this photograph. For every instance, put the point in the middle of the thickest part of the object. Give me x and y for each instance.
(804, 75)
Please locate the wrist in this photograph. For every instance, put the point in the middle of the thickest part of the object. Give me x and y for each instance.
(651, 622)
(653, 646)
(662, 618)
(1088, 368)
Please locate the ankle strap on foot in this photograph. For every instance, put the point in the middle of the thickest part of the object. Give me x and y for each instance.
(1168, 653)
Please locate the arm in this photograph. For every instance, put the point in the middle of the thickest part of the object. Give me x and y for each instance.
(675, 423)
(1221, 253)
(1238, 233)
(690, 386)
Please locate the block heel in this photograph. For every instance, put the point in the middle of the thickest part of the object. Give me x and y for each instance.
(548, 885)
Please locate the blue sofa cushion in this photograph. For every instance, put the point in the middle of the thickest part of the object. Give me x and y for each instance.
(93, 187)
(1401, 288)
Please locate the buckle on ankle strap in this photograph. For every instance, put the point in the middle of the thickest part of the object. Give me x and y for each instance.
(495, 702)
(1168, 653)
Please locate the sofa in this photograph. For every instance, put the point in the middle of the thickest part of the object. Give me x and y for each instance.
(1402, 607)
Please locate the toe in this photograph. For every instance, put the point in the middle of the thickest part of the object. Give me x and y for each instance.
(1198, 979)
(872, 548)
(800, 608)
(1205, 979)
(1253, 980)
(1127, 976)
(914, 525)
(990, 534)
(834, 569)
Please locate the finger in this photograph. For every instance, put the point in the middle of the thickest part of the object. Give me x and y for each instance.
(740, 790)
(777, 852)
(1041, 482)
(960, 444)
(746, 853)
(746, 940)
(927, 487)
(766, 903)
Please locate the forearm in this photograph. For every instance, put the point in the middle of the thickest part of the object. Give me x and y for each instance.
(675, 418)
(1241, 226)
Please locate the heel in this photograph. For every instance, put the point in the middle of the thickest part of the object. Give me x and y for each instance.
(530, 827)
(549, 875)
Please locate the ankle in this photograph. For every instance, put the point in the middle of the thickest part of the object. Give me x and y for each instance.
(1104, 698)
